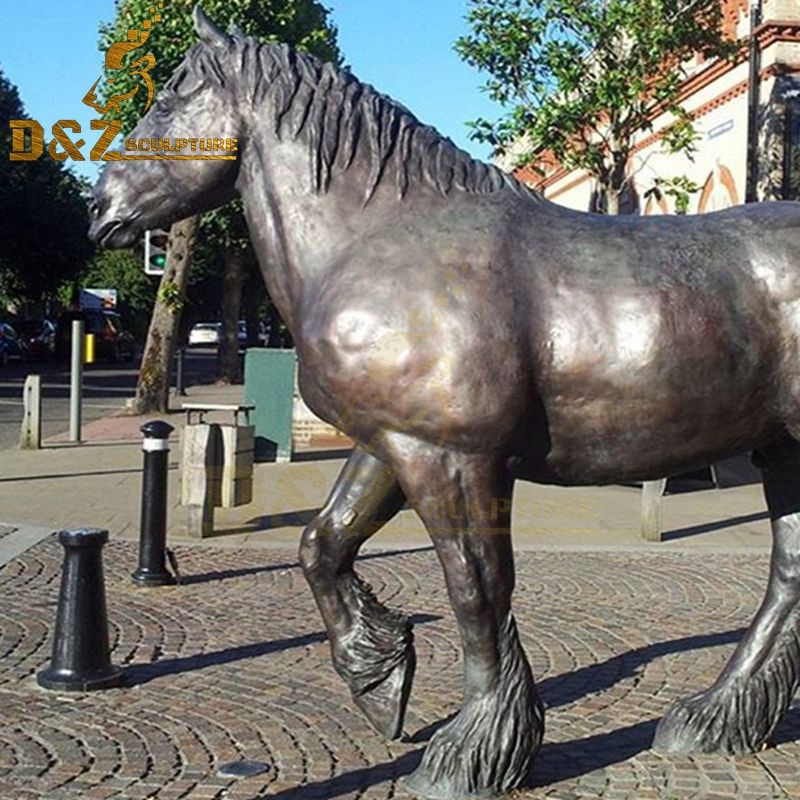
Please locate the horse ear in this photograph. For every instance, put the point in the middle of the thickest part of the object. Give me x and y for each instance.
(207, 30)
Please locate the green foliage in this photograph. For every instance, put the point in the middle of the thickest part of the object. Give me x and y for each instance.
(581, 78)
(680, 189)
(43, 219)
(220, 229)
(171, 296)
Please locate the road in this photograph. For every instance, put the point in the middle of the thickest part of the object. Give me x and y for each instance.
(106, 387)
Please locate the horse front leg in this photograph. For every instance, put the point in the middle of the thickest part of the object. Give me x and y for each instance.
(739, 712)
(487, 749)
(372, 647)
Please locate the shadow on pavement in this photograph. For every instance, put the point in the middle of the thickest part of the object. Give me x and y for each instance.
(290, 519)
(101, 472)
(227, 574)
(561, 761)
(706, 527)
(49, 444)
(138, 674)
(789, 728)
(358, 779)
(556, 762)
(560, 690)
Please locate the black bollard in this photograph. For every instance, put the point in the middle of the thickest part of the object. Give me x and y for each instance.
(152, 569)
(179, 372)
(81, 661)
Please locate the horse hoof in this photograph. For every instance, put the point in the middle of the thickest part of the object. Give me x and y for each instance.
(708, 722)
(471, 758)
(384, 704)
(488, 748)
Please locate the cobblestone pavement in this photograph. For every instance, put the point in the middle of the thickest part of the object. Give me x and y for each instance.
(234, 664)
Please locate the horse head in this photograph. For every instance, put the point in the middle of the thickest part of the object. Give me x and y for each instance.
(198, 101)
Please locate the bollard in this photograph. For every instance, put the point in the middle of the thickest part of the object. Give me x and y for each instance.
(152, 569)
(652, 509)
(30, 437)
(81, 660)
(76, 381)
(179, 372)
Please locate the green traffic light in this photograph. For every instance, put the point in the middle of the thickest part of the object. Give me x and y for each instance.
(158, 260)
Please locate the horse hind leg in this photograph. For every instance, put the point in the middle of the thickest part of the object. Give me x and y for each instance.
(465, 501)
(372, 647)
(738, 714)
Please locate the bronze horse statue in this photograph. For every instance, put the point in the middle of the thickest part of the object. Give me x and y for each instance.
(467, 333)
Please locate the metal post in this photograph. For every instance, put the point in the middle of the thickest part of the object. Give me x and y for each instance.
(753, 100)
(81, 660)
(152, 569)
(179, 373)
(76, 381)
(30, 437)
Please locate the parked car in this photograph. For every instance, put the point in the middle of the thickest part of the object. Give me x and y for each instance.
(39, 337)
(11, 346)
(204, 334)
(112, 342)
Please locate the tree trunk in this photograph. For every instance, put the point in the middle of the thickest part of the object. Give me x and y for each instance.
(152, 390)
(229, 368)
(613, 202)
(616, 177)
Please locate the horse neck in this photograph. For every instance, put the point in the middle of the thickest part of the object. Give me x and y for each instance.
(297, 233)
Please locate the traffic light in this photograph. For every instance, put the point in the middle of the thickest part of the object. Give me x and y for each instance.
(155, 251)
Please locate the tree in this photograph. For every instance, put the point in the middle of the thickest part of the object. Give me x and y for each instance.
(43, 219)
(302, 23)
(225, 229)
(582, 79)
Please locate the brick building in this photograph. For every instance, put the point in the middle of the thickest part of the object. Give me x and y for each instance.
(717, 95)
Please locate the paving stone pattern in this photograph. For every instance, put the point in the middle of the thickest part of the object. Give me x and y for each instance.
(234, 664)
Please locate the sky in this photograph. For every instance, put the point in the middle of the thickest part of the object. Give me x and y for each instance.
(404, 49)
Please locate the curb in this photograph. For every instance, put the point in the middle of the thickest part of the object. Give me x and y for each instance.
(21, 538)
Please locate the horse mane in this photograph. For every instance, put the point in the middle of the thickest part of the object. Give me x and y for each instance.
(344, 121)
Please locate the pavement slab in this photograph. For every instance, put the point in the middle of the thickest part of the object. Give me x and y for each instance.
(233, 664)
(16, 540)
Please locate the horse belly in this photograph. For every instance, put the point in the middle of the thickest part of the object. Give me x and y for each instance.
(591, 447)
(646, 386)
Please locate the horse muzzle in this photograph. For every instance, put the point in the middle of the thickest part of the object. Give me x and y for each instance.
(113, 233)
